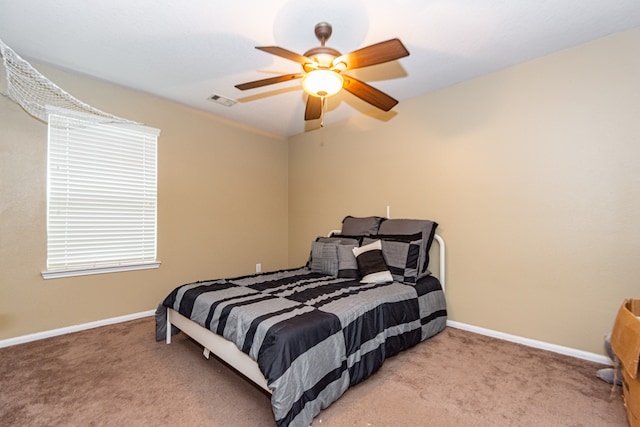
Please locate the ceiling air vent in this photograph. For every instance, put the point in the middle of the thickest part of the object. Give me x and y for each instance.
(222, 100)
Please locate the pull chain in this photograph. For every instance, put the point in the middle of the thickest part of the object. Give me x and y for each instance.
(322, 111)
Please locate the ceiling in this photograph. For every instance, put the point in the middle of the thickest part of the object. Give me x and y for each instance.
(188, 50)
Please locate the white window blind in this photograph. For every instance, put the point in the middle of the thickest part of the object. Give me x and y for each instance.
(101, 197)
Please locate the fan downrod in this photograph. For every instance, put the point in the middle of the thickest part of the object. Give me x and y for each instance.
(322, 55)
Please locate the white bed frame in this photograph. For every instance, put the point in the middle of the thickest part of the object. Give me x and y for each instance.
(230, 354)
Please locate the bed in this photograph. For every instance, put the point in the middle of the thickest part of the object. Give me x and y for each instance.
(305, 335)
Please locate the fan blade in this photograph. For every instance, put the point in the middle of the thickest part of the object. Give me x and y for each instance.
(269, 81)
(368, 93)
(314, 108)
(371, 55)
(287, 54)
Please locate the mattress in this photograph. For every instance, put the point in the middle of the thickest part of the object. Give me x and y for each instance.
(312, 335)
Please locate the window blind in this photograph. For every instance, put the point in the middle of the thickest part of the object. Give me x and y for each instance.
(101, 195)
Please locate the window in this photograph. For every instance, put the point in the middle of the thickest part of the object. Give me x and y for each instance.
(101, 197)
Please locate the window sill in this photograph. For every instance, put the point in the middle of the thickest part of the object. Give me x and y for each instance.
(98, 270)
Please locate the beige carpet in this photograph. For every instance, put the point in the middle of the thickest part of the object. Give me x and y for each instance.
(120, 376)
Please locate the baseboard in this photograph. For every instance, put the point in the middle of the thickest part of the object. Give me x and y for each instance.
(567, 351)
(76, 328)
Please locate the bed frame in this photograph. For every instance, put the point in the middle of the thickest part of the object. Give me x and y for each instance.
(230, 354)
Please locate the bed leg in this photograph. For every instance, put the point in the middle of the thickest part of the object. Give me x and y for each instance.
(206, 352)
(168, 327)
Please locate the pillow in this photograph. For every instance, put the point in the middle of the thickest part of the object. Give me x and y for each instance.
(337, 239)
(361, 226)
(371, 265)
(324, 258)
(394, 237)
(401, 254)
(412, 226)
(347, 264)
(340, 239)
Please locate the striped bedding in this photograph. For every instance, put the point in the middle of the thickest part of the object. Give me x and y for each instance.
(313, 336)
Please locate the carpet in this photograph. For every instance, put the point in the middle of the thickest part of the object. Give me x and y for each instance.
(118, 375)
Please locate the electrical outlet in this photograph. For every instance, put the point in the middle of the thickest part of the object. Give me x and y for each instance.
(258, 268)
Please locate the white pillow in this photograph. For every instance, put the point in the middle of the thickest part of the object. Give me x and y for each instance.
(371, 264)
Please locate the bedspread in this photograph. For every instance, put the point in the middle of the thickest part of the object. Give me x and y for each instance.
(313, 336)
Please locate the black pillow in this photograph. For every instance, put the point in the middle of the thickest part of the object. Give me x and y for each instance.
(371, 264)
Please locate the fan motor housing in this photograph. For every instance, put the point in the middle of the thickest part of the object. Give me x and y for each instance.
(322, 55)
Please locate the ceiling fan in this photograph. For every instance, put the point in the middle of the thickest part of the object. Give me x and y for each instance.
(323, 67)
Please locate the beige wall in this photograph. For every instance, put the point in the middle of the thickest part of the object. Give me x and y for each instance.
(220, 186)
(533, 174)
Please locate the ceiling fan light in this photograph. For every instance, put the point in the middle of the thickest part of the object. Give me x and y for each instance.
(322, 83)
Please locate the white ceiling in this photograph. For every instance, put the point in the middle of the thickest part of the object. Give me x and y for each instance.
(189, 50)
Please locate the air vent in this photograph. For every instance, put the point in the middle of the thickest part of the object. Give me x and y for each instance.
(219, 99)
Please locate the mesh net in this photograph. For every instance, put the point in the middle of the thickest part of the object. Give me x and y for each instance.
(39, 96)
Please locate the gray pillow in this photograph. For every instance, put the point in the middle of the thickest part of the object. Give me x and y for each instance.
(402, 256)
(347, 264)
(412, 226)
(342, 240)
(324, 258)
(366, 226)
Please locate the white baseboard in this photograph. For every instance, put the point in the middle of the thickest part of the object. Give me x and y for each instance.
(76, 328)
(567, 351)
(580, 354)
